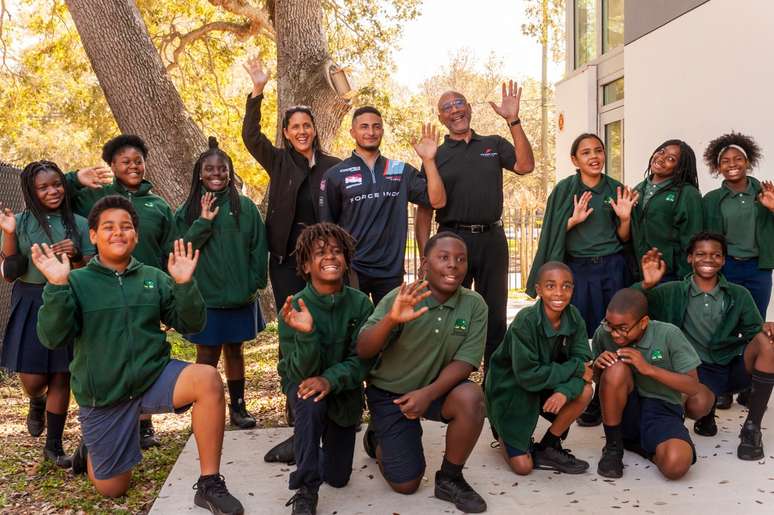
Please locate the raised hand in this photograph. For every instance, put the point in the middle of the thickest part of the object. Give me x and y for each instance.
(7, 220)
(408, 296)
(258, 74)
(580, 210)
(427, 144)
(209, 209)
(555, 403)
(64, 247)
(317, 385)
(45, 260)
(626, 199)
(95, 176)
(653, 268)
(299, 320)
(509, 108)
(766, 196)
(182, 262)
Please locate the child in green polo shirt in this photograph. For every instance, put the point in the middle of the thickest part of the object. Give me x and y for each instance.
(425, 357)
(642, 406)
(113, 309)
(321, 373)
(541, 368)
(721, 321)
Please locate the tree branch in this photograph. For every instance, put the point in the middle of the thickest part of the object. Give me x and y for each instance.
(259, 17)
(242, 31)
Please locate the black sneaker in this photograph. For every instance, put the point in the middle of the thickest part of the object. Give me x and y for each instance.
(459, 492)
(369, 442)
(282, 453)
(304, 501)
(212, 494)
(56, 454)
(148, 437)
(743, 397)
(611, 463)
(551, 458)
(591, 417)
(240, 417)
(724, 401)
(751, 442)
(36, 416)
(78, 459)
(706, 426)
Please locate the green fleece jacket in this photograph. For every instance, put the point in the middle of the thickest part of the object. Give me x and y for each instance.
(234, 257)
(764, 222)
(534, 357)
(668, 222)
(741, 321)
(551, 246)
(157, 230)
(114, 318)
(329, 350)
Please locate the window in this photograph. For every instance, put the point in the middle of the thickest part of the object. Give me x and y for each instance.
(613, 91)
(614, 149)
(612, 24)
(585, 32)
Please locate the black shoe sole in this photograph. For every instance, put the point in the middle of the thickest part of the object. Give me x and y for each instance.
(756, 457)
(369, 443)
(243, 425)
(79, 460)
(273, 456)
(589, 423)
(442, 495)
(203, 503)
(702, 432)
(542, 466)
(609, 475)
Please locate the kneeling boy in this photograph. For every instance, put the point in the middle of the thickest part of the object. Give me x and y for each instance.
(121, 368)
(425, 359)
(321, 373)
(644, 368)
(540, 369)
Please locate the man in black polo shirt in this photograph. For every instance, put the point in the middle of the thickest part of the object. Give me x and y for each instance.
(471, 168)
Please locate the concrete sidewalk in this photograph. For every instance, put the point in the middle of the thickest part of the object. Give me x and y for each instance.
(718, 483)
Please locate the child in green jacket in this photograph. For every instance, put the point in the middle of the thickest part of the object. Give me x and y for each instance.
(540, 369)
(721, 321)
(320, 371)
(121, 368)
(227, 227)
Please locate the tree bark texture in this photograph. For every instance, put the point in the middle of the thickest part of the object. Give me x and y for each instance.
(141, 95)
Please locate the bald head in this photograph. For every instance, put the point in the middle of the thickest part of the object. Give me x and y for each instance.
(447, 96)
(550, 266)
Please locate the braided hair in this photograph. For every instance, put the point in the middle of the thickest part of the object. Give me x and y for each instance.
(685, 169)
(35, 207)
(721, 143)
(194, 207)
(323, 231)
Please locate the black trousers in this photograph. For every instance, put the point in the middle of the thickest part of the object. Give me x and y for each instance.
(284, 279)
(488, 273)
(377, 287)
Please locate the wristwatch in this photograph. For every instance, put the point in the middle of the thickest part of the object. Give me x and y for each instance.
(514, 122)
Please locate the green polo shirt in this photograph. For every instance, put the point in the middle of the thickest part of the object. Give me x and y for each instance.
(29, 231)
(596, 236)
(738, 210)
(416, 352)
(703, 315)
(652, 188)
(663, 345)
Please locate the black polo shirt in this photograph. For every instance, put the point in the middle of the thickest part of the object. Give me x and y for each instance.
(472, 174)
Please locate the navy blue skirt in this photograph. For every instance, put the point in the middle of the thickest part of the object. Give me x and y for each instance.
(22, 350)
(230, 325)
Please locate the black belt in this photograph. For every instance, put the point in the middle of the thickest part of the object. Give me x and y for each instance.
(743, 258)
(474, 228)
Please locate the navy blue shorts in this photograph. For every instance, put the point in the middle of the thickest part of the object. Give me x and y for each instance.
(722, 379)
(596, 281)
(112, 434)
(400, 439)
(650, 422)
(515, 451)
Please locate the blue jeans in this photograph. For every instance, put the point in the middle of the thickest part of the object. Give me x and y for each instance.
(745, 272)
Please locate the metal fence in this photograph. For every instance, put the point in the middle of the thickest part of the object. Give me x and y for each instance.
(11, 197)
(522, 230)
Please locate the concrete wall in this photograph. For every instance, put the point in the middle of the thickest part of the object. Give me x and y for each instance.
(644, 16)
(576, 100)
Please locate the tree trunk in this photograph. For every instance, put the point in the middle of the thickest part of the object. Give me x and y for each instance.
(302, 52)
(141, 96)
(544, 102)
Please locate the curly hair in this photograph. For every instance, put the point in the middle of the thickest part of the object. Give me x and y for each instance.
(708, 236)
(112, 202)
(323, 231)
(685, 170)
(115, 145)
(719, 144)
(193, 204)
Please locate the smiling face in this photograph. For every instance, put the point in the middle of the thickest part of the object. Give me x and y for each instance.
(445, 266)
(707, 259)
(128, 166)
(624, 328)
(300, 132)
(555, 290)
(215, 173)
(115, 237)
(327, 265)
(664, 162)
(455, 113)
(367, 131)
(49, 189)
(733, 165)
(589, 158)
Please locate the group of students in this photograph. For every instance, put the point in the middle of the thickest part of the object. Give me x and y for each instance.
(659, 278)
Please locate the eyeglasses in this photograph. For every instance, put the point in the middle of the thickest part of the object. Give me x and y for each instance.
(619, 331)
(459, 103)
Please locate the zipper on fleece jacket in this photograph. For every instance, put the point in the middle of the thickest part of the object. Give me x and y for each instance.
(128, 326)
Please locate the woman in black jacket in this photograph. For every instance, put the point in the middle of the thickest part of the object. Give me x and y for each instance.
(295, 171)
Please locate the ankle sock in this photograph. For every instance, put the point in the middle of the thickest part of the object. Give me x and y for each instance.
(613, 434)
(551, 440)
(55, 427)
(146, 424)
(450, 469)
(236, 391)
(762, 383)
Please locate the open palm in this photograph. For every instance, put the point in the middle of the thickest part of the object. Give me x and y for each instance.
(426, 145)
(182, 262)
(54, 270)
(408, 297)
(7, 220)
(297, 319)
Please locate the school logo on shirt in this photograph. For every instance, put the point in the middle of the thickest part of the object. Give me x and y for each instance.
(488, 152)
(670, 197)
(148, 284)
(656, 355)
(608, 200)
(461, 326)
(149, 204)
(351, 181)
